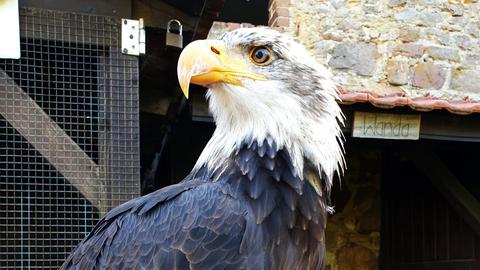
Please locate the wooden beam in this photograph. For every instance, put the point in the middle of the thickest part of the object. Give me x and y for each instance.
(464, 203)
(211, 12)
(156, 13)
(116, 8)
(24, 114)
(48, 19)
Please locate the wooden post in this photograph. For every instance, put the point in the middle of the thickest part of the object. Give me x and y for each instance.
(24, 114)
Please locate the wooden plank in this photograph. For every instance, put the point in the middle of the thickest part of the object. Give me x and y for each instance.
(116, 8)
(211, 11)
(51, 25)
(157, 13)
(464, 203)
(50, 140)
(122, 137)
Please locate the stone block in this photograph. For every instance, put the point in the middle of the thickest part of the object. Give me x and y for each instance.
(360, 57)
(466, 81)
(349, 25)
(443, 53)
(473, 29)
(397, 72)
(356, 257)
(333, 35)
(436, 34)
(337, 3)
(408, 14)
(464, 41)
(370, 221)
(335, 237)
(429, 76)
(324, 47)
(471, 60)
(461, 21)
(454, 9)
(429, 2)
(431, 18)
(408, 34)
(396, 3)
(410, 49)
(363, 200)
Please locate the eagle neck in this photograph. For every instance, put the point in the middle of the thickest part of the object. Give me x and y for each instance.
(243, 116)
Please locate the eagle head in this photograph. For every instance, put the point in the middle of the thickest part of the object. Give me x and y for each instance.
(264, 86)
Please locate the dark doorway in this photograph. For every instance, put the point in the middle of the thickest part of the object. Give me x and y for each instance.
(420, 227)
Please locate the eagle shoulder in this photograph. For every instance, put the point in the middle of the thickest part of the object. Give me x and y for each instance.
(190, 224)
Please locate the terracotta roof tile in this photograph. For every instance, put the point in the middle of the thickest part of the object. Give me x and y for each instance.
(419, 104)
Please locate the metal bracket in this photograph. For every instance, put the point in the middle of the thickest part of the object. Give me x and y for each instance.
(133, 37)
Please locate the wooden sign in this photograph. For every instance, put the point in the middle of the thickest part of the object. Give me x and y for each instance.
(386, 126)
(9, 29)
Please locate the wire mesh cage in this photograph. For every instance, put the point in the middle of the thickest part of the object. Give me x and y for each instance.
(68, 135)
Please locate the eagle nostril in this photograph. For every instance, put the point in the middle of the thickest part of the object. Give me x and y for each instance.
(215, 50)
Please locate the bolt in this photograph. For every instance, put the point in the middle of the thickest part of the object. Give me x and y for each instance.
(125, 50)
(131, 36)
(125, 22)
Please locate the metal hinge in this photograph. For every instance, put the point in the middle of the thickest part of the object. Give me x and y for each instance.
(133, 37)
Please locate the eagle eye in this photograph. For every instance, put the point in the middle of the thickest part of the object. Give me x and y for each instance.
(261, 55)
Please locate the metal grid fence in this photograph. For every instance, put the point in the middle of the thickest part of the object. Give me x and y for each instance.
(68, 135)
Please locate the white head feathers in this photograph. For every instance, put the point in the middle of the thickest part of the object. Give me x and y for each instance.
(296, 107)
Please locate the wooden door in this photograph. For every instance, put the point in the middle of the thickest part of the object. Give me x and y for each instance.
(420, 229)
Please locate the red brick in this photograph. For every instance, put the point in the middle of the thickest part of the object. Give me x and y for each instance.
(282, 12)
(276, 4)
(281, 21)
(283, 3)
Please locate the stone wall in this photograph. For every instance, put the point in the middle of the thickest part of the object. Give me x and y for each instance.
(417, 48)
(353, 231)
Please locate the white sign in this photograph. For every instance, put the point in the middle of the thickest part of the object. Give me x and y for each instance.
(9, 29)
(386, 126)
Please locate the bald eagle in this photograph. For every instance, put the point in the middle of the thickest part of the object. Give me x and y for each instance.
(257, 197)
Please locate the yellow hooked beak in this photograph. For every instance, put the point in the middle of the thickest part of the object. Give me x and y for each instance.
(206, 62)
